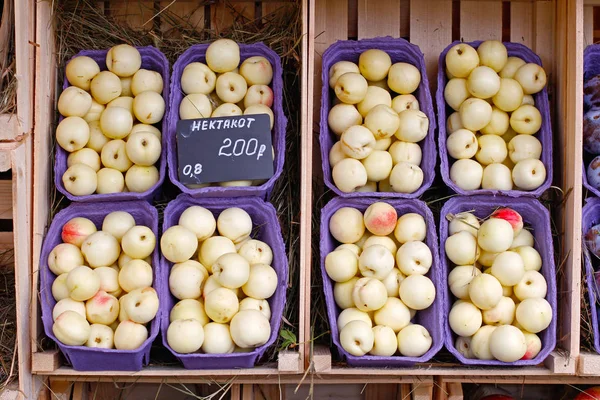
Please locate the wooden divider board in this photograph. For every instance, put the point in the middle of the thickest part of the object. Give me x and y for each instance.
(547, 26)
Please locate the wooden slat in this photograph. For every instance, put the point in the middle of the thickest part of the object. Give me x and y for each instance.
(480, 20)
(321, 358)
(306, 168)
(61, 389)
(588, 25)
(378, 391)
(569, 82)
(422, 391)
(190, 13)
(24, 51)
(9, 127)
(136, 14)
(378, 18)
(521, 23)
(6, 202)
(405, 19)
(269, 7)
(544, 37)
(455, 391)
(7, 240)
(431, 30)
(45, 361)
(223, 14)
(21, 197)
(80, 391)
(289, 361)
(588, 364)
(268, 392)
(45, 83)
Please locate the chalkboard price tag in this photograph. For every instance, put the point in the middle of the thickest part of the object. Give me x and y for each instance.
(224, 149)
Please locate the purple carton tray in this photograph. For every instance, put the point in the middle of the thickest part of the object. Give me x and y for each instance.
(591, 68)
(544, 135)
(267, 229)
(399, 50)
(154, 60)
(85, 358)
(431, 318)
(197, 53)
(535, 216)
(591, 217)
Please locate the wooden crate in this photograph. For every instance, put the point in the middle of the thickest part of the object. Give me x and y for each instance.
(136, 14)
(552, 29)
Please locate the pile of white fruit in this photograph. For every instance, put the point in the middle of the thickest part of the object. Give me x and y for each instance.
(222, 87)
(231, 267)
(499, 312)
(495, 118)
(104, 278)
(378, 146)
(377, 283)
(108, 129)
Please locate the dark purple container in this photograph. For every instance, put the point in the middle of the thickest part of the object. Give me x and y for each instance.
(535, 216)
(92, 359)
(154, 60)
(591, 217)
(197, 53)
(544, 135)
(431, 318)
(591, 68)
(264, 218)
(400, 51)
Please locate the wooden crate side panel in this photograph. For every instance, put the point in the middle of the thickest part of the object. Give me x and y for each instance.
(521, 23)
(133, 13)
(480, 20)
(588, 25)
(223, 14)
(190, 13)
(378, 18)
(431, 30)
(544, 44)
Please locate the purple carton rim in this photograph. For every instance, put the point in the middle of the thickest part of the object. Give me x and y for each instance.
(265, 220)
(591, 67)
(144, 214)
(399, 50)
(152, 59)
(591, 217)
(196, 53)
(544, 134)
(535, 215)
(431, 317)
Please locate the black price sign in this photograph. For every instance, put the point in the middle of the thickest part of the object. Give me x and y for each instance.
(224, 149)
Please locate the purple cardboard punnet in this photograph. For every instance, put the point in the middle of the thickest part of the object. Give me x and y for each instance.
(535, 217)
(591, 68)
(154, 60)
(544, 135)
(92, 359)
(197, 53)
(590, 217)
(400, 51)
(431, 318)
(266, 229)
